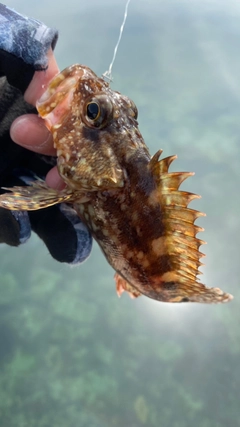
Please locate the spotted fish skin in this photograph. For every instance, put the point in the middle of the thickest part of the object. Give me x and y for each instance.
(131, 202)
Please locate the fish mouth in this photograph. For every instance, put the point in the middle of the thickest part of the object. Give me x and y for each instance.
(54, 104)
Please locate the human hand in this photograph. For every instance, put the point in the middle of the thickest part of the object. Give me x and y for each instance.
(67, 239)
(29, 130)
(26, 46)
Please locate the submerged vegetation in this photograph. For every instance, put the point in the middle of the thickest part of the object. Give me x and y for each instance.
(72, 353)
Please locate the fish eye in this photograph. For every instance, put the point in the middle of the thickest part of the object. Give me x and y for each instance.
(97, 111)
(93, 110)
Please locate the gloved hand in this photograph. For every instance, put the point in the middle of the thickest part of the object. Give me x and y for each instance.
(25, 46)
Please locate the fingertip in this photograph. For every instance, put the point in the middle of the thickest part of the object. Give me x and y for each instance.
(24, 127)
(54, 180)
(30, 132)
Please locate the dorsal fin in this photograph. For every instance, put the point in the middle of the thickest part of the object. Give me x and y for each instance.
(180, 241)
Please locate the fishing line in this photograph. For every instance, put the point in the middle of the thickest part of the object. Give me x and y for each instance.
(108, 74)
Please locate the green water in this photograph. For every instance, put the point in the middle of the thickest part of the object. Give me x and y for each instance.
(71, 353)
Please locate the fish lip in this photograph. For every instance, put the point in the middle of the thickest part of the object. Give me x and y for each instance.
(67, 77)
(56, 91)
(54, 103)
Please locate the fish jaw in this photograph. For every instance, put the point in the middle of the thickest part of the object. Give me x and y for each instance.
(56, 100)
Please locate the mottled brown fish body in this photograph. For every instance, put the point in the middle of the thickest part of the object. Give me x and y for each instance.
(121, 221)
(138, 240)
(131, 202)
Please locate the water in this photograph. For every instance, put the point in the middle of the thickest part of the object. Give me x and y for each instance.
(71, 353)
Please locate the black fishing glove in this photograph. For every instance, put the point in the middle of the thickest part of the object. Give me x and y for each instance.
(24, 44)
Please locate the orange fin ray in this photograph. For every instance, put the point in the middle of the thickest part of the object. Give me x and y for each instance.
(183, 214)
(159, 167)
(122, 285)
(183, 227)
(171, 181)
(178, 198)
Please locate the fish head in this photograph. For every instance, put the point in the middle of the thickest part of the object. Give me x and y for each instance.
(94, 129)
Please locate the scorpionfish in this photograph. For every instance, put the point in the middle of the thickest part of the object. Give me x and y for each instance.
(129, 200)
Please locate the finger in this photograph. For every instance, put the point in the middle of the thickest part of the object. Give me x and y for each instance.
(54, 180)
(30, 132)
(40, 80)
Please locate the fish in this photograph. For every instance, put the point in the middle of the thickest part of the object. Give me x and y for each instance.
(128, 199)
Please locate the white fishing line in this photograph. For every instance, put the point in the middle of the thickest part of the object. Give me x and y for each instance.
(108, 74)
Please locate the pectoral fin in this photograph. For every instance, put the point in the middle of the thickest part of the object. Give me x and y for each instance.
(35, 196)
